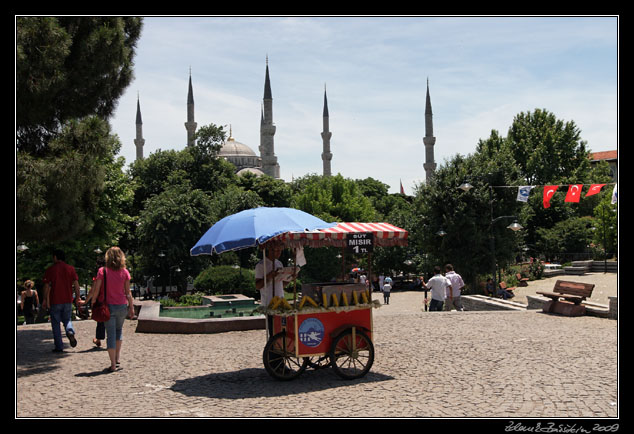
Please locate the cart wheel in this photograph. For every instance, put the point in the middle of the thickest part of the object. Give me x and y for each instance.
(352, 358)
(318, 362)
(279, 358)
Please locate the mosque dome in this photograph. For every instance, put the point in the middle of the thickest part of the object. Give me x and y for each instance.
(233, 148)
(239, 154)
(256, 171)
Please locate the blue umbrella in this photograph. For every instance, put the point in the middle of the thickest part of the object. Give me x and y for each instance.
(254, 226)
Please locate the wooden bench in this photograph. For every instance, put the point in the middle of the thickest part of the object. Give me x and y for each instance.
(503, 286)
(566, 298)
(523, 281)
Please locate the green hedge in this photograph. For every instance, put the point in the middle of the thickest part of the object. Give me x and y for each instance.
(225, 279)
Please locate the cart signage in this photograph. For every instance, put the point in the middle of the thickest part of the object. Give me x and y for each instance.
(311, 332)
(360, 242)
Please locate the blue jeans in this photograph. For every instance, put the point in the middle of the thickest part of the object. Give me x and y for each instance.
(435, 305)
(61, 313)
(114, 326)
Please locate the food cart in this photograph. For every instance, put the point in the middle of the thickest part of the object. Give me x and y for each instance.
(331, 325)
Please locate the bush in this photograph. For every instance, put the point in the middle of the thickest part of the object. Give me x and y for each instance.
(225, 279)
(195, 299)
(536, 269)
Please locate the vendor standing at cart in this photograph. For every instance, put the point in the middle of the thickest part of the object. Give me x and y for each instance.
(274, 288)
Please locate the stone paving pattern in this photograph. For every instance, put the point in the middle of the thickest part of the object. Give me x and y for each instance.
(427, 365)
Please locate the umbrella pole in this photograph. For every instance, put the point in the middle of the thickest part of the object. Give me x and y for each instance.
(369, 277)
(343, 264)
(264, 265)
(264, 288)
(295, 278)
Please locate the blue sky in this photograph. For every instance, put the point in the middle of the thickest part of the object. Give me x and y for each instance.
(482, 72)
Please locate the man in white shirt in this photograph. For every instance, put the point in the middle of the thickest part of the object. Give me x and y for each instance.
(438, 286)
(455, 290)
(274, 287)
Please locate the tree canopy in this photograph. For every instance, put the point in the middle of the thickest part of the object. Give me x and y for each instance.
(70, 72)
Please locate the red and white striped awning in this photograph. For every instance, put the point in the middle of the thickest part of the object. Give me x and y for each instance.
(385, 234)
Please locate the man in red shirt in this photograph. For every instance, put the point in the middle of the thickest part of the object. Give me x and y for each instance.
(60, 279)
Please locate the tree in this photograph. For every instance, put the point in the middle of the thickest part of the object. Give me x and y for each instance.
(273, 192)
(547, 149)
(111, 223)
(198, 164)
(565, 238)
(57, 195)
(70, 72)
(69, 68)
(466, 217)
(169, 225)
(332, 198)
(606, 225)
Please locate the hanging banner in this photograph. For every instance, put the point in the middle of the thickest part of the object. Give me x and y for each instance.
(594, 189)
(549, 190)
(523, 192)
(574, 193)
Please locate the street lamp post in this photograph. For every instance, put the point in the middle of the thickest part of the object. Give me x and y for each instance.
(178, 270)
(515, 226)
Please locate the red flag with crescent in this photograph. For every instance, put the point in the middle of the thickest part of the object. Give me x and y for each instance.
(594, 189)
(574, 193)
(549, 190)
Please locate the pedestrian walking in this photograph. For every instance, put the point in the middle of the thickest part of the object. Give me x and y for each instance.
(118, 298)
(454, 292)
(29, 302)
(387, 288)
(425, 288)
(438, 286)
(60, 279)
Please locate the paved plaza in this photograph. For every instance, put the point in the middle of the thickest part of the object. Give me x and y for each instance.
(427, 365)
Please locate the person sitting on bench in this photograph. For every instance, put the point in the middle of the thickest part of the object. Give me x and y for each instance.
(504, 293)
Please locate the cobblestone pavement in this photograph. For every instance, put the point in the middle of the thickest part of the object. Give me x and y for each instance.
(427, 365)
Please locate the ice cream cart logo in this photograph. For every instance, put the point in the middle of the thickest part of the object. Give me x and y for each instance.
(311, 332)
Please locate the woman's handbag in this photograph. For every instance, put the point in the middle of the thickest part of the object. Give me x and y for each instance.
(100, 310)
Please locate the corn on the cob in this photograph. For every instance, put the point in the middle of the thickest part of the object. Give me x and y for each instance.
(285, 304)
(275, 302)
(301, 303)
(311, 301)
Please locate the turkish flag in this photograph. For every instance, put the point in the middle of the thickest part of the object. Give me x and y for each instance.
(574, 193)
(594, 189)
(549, 190)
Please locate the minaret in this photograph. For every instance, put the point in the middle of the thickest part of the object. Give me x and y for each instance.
(429, 140)
(190, 125)
(139, 141)
(267, 131)
(326, 155)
